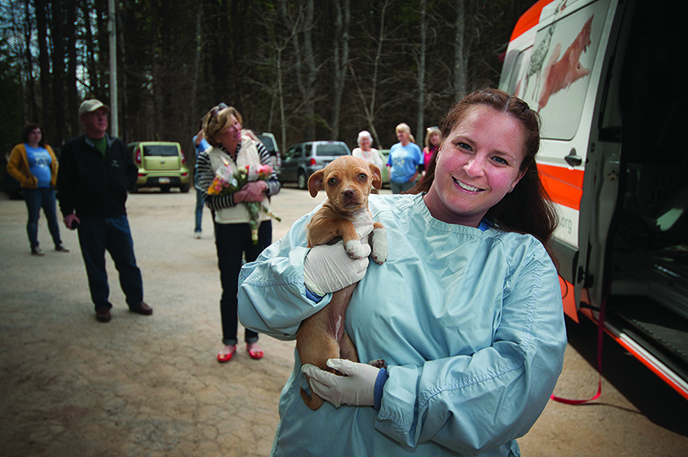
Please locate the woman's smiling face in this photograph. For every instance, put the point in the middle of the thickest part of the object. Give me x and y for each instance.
(232, 135)
(478, 163)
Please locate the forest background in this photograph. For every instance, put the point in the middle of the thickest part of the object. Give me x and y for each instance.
(301, 69)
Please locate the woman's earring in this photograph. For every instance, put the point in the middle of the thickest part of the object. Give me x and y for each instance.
(511, 189)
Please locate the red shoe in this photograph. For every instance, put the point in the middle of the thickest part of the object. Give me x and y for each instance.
(255, 353)
(226, 357)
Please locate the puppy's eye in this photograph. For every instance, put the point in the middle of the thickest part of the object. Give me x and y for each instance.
(332, 181)
(362, 177)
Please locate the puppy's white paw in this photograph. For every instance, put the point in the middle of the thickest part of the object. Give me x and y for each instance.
(355, 249)
(379, 244)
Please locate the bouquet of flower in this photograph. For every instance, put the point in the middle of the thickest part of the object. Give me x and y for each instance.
(226, 182)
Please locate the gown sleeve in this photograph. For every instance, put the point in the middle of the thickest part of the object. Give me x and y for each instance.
(272, 294)
(473, 403)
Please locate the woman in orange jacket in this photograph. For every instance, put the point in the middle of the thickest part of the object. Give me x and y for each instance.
(33, 163)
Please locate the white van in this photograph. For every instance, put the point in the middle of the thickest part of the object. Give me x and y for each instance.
(603, 74)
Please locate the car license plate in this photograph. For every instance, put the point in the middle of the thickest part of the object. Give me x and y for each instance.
(163, 180)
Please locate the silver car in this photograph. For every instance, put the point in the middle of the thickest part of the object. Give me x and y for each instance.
(303, 159)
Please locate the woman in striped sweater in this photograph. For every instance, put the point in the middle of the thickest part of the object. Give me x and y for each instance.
(233, 239)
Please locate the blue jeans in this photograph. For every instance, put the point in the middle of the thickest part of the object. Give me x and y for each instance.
(42, 197)
(399, 187)
(234, 241)
(199, 210)
(111, 233)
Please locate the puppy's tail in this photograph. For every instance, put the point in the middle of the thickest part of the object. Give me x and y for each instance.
(313, 402)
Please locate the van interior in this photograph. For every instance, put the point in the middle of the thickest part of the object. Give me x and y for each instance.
(645, 106)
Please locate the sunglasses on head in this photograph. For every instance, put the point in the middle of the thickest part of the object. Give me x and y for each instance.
(215, 111)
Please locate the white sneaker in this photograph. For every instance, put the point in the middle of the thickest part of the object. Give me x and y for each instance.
(197, 235)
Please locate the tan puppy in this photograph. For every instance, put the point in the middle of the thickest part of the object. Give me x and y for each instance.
(348, 182)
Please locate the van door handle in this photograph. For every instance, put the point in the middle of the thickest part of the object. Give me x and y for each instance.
(573, 159)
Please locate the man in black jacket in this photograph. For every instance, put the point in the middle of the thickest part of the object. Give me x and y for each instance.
(95, 173)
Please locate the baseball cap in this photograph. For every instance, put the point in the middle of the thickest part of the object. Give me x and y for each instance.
(89, 106)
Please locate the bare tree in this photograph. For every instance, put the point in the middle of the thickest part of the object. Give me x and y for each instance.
(306, 71)
(197, 63)
(41, 9)
(369, 106)
(421, 71)
(70, 120)
(459, 51)
(90, 47)
(30, 87)
(290, 62)
(341, 60)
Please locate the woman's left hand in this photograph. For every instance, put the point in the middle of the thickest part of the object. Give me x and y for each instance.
(253, 191)
(356, 387)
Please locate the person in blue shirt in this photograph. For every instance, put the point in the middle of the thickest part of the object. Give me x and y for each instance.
(469, 321)
(404, 158)
(33, 163)
(200, 144)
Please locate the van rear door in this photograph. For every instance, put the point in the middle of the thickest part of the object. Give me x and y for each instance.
(556, 67)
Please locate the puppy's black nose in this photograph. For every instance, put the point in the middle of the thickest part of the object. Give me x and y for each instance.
(349, 193)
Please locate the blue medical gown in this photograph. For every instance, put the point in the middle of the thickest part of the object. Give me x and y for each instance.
(470, 324)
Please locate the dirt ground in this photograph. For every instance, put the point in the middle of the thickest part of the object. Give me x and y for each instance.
(150, 386)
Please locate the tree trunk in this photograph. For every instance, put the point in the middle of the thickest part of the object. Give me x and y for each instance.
(193, 121)
(30, 86)
(71, 108)
(369, 107)
(459, 52)
(341, 60)
(44, 63)
(306, 71)
(420, 127)
(59, 53)
(89, 43)
(280, 93)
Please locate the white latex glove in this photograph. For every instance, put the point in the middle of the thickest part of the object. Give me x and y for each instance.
(356, 388)
(328, 269)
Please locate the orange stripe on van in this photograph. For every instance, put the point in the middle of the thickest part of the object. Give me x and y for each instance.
(529, 19)
(564, 186)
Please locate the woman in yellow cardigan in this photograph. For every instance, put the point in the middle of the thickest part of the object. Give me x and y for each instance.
(34, 165)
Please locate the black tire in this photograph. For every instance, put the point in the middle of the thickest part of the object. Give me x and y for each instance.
(301, 181)
(165, 189)
(184, 188)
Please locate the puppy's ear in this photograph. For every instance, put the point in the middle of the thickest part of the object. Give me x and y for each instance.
(376, 175)
(315, 183)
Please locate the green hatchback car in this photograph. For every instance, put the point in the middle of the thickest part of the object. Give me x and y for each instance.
(161, 164)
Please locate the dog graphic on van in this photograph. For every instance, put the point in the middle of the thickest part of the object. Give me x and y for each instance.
(537, 59)
(561, 74)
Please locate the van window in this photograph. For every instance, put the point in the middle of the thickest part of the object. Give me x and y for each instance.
(333, 149)
(293, 152)
(556, 77)
(160, 151)
(512, 70)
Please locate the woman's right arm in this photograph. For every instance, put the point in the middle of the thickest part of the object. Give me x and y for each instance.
(272, 295)
(206, 175)
(15, 168)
